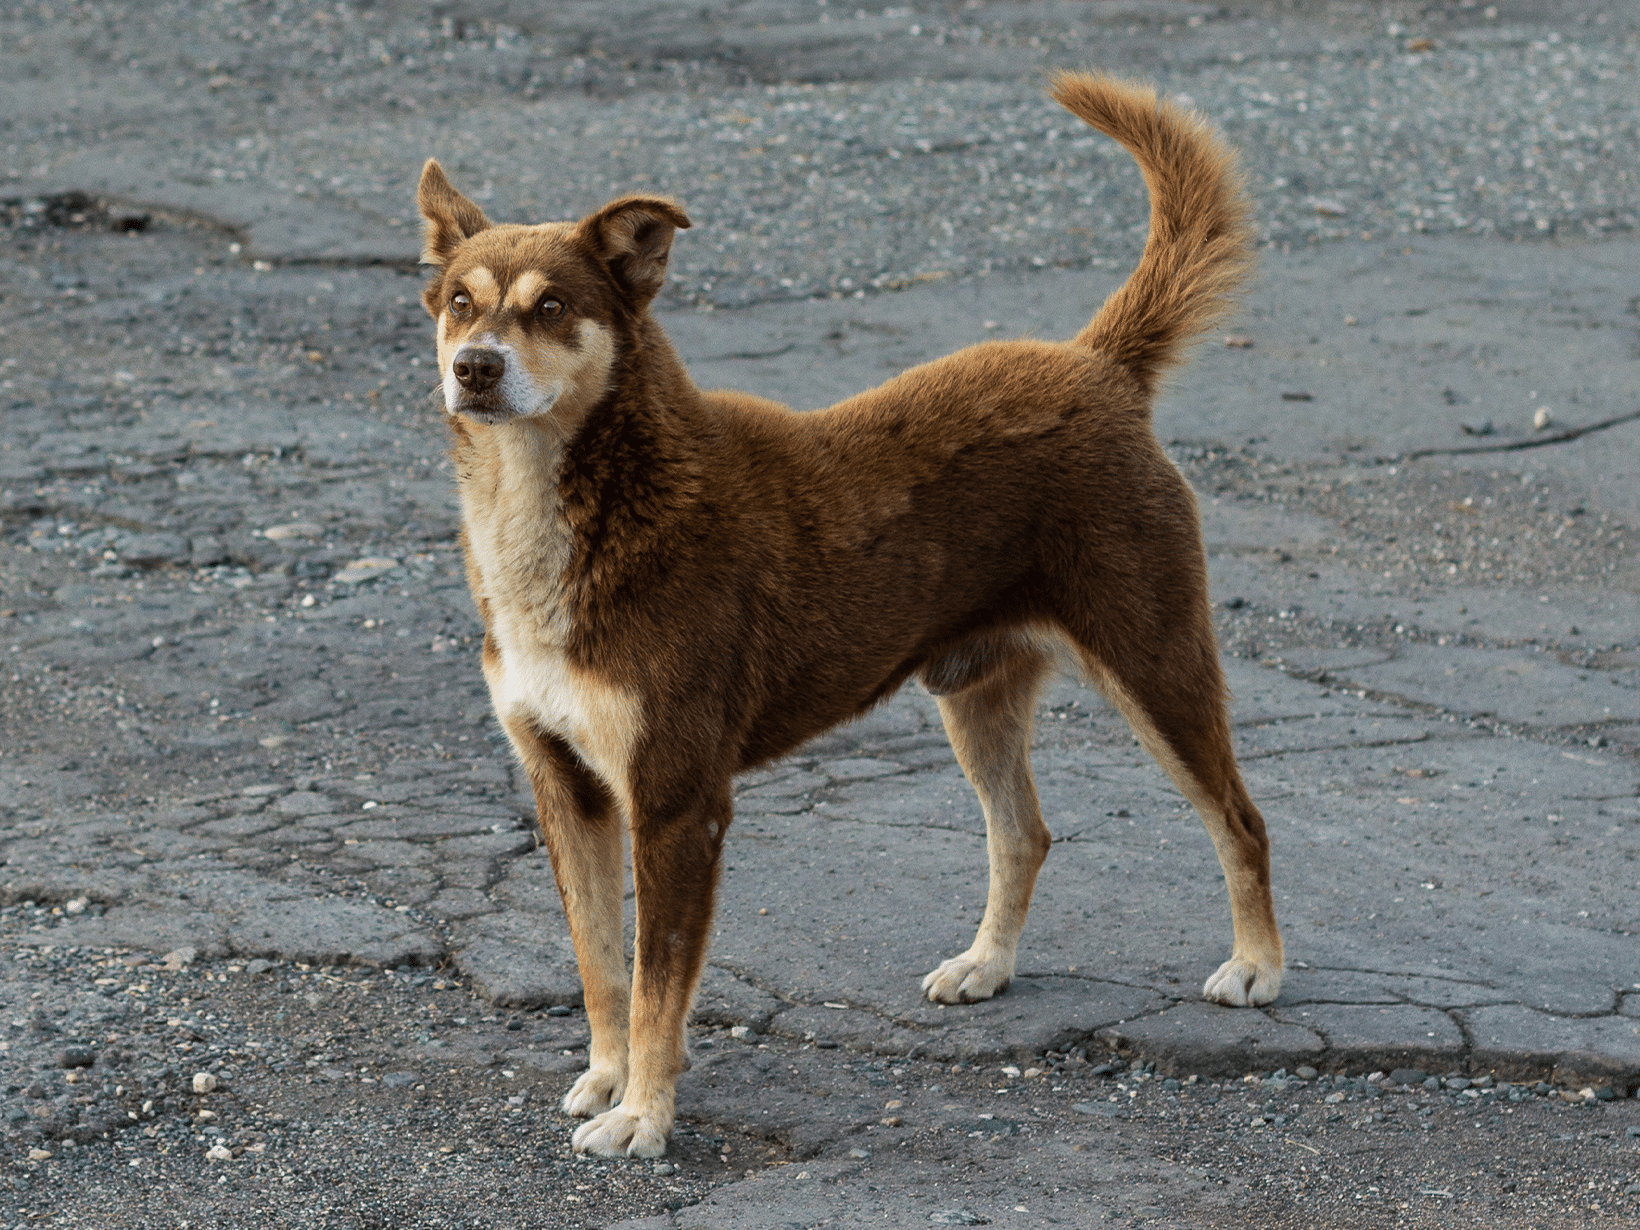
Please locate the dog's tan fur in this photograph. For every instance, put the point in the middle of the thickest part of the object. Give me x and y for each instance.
(677, 585)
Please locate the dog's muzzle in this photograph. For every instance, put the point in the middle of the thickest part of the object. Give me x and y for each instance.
(479, 374)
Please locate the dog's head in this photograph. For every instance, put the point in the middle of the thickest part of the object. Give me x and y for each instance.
(530, 317)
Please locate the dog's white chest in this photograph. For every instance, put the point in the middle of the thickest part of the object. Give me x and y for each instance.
(533, 680)
(520, 549)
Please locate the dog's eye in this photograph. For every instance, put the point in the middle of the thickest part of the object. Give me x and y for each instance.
(461, 305)
(550, 307)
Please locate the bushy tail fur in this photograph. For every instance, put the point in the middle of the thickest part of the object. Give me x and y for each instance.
(1201, 239)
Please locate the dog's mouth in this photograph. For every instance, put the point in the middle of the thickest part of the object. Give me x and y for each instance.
(486, 410)
(498, 405)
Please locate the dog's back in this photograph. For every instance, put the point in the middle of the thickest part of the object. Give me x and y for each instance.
(1024, 468)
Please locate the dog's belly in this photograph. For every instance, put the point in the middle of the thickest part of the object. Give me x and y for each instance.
(534, 681)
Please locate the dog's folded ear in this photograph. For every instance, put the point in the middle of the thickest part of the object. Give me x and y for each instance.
(633, 237)
(450, 216)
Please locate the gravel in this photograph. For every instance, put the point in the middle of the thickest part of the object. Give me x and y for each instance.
(182, 493)
(1383, 120)
(318, 1068)
(1426, 524)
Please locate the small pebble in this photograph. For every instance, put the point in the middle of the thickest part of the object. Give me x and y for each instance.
(204, 1082)
(559, 1010)
(859, 1155)
(1542, 418)
(77, 1057)
(219, 1153)
(39, 1155)
(1307, 1073)
(665, 1168)
(740, 1031)
(1101, 1110)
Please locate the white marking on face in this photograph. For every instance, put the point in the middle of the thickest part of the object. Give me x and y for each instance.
(444, 361)
(481, 286)
(526, 290)
(518, 392)
(537, 378)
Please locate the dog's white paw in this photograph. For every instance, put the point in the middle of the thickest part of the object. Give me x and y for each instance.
(620, 1133)
(969, 978)
(594, 1091)
(1240, 983)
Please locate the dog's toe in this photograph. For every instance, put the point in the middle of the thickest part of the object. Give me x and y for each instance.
(968, 979)
(621, 1133)
(594, 1091)
(1242, 983)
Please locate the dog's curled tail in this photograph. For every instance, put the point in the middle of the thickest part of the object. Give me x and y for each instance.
(1200, 247)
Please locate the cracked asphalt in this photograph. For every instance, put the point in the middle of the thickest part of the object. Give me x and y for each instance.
(257, 824)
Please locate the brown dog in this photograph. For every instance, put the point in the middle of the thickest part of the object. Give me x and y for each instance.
(679, 585)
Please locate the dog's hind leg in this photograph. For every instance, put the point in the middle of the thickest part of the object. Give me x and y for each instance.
(676, 849)
(1161, 669)
(989, 724)
(582, 829)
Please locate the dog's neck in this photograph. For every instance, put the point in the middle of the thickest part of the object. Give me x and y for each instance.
(636, 460)
(548, 502)
(513, 523)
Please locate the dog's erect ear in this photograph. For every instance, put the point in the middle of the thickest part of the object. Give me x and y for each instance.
(450, 216)
(633, 236)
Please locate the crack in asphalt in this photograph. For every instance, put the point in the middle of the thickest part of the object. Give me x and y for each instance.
(1515, 446)
(1422, 737)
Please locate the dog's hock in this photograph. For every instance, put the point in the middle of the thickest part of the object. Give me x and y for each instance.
(450, 217)
(633, 237)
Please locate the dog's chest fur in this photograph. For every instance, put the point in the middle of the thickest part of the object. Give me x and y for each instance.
(519, 546)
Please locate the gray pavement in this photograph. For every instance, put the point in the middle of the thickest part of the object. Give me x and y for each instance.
(243, 713)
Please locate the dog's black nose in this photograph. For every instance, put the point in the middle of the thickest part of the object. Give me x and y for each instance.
(478, 370)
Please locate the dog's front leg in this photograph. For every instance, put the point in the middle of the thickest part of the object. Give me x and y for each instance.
(675, 850)
(582, 831)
